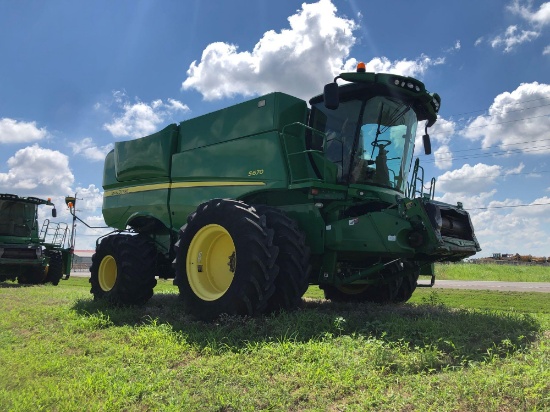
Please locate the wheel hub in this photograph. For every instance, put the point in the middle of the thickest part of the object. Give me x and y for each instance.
(211, 262)
(107, 273)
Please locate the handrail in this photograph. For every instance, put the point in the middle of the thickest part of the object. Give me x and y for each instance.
(412, 189)
(292, 169)
(305, 126)
(54, 233)
(44, 230)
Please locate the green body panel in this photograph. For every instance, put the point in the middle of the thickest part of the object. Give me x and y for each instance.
(263, 114)
(377, 234)
(109, 173)
(67, 257)
(147, 199)
(271, 150)
(234, 160)
(312, 223)
(146, 158)
(140, 170)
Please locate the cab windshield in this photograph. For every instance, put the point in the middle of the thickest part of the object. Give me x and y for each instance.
(16, 218)
(371, 141)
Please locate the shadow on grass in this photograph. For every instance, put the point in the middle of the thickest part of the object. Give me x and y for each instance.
(464, 335)
(10, 285)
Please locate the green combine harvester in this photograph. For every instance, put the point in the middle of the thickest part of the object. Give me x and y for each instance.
(29, 253)
(247, 206)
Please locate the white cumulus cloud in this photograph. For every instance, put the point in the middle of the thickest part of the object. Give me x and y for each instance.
(515, 36)
(469, 179)
(443, 157)
(13, 131)
(87, 148)
(298, 60)
(540, 17)
(516, 121)
(507, 225)
(89, 198)
(440, 137)
(404, 67)
(510, 226)
(139, 118)
(35, 171)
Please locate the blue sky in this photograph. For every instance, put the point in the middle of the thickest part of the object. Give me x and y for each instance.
(77, 76)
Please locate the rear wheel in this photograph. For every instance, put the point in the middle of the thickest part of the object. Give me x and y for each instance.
(346, 293)
(293, 260)
(377, 293)
(32, 275)
(385, 291)
(123, 270)
(55, 267)
(408, 286)
(225, 261)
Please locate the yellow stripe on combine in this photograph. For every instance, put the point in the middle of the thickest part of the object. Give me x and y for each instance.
(164, 186)
(210, 184)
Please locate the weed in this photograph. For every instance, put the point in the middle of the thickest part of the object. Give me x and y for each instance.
(432, 299)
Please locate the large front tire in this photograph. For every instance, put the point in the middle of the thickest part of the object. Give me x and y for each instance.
(123, 270)
(55, 267)
(293, 260)
(225, 261)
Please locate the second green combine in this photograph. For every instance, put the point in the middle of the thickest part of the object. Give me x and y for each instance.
(31, 253)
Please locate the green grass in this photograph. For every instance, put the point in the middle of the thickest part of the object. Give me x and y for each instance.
(445, 350)
(504, 273)
(533, 302)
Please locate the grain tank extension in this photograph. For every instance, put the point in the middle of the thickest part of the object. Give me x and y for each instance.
(247, 206)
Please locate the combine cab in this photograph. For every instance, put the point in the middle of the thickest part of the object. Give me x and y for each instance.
(29, 253)
(249, 205)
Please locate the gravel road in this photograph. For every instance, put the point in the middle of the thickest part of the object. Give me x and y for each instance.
(493, 285)
(461, 284)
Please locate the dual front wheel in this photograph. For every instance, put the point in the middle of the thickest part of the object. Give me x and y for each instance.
(237, 259)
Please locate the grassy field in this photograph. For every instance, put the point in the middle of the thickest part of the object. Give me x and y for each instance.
(504, 273)
(445, 350)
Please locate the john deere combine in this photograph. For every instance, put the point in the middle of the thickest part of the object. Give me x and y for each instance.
(29, 253)
(249, 205)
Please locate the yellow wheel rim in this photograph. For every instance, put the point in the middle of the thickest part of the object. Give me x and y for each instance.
(211, 262)
(107, 273)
